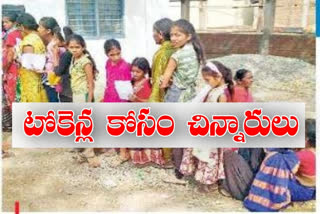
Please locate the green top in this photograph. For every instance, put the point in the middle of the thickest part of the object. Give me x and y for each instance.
(187, 71)
(78, 75)
(159, 65)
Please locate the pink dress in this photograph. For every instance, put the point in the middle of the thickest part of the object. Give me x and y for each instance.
(120, 71)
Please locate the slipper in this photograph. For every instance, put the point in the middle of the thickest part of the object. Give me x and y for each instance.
(224, 192)
(172, 179)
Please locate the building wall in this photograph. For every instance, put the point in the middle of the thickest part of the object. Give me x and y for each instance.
(139, 18)
(220, 13)
(293, 46)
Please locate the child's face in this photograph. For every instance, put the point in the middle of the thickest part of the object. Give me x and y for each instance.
(7, 24)
(247, 80)
(75, 48)
(137, 73)
(158, 38)
(114, 55)
(178, 38)
(211, 80)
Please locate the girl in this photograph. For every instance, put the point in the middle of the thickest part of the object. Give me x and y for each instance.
(183, 66)
(9, 66)
(244, 80)
(82, 71)
(141, 70)
(142, 90)
(30, 80)
(116, 69)
(207, 165)
(61, 69)
(49, 31)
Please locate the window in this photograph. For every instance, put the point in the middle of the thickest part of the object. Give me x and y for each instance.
(7, 8)
(96, 18)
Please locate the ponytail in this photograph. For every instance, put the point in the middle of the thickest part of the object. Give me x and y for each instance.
(187, 28)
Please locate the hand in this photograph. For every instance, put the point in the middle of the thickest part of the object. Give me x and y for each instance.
(55, 50)
(132, 97)
(38, 71)
(164, 84)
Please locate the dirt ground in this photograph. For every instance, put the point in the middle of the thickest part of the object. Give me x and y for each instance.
(52, 180)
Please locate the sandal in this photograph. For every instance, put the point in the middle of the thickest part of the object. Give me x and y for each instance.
(224, 192)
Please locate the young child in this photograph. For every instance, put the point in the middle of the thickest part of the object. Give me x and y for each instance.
(184, 64)
(207, 165)
(82, 72)
(61, 68)
(141, 72)
(183, 67)
(116, 69)
(241, 92)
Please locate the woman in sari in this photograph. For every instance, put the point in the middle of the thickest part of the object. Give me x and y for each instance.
(270, 188)
(240, 167)
(9, 66)
(161, 35)
(31, 88)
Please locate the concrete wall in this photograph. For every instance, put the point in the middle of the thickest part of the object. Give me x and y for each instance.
(294, 46)
(289, 13)
(139, 18)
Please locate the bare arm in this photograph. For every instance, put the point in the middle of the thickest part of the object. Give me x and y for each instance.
(222, 99)
(10, 58)
(172, 65)
(90, 80)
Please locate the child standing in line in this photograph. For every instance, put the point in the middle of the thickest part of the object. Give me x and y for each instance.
(183, 66)
(61, 68)
(207, 165)
(82, 72)
(116, 69)
(141, 93)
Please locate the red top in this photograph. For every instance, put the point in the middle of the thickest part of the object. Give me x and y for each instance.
(143, 89)
(12, 38)
(307, 162)
(241, 94)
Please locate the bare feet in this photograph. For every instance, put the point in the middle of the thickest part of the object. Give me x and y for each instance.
(107, 152)
(90, 156)
(94, 162)
(168, 165)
